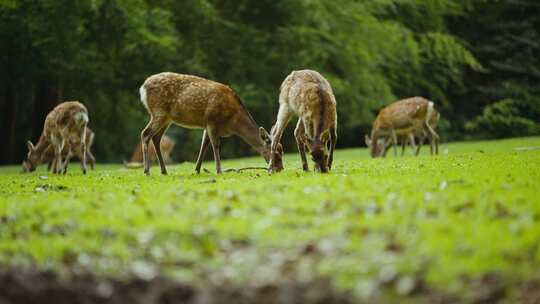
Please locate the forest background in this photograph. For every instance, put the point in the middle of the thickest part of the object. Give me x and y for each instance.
(477, 60)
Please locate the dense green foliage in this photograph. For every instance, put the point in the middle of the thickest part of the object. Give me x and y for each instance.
(372, 52)
(504, 36)
(468, 217)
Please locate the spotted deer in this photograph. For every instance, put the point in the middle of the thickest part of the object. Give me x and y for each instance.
(197, 103)
(65, 123)
(308, 95)
(403, 119)
(167, 145)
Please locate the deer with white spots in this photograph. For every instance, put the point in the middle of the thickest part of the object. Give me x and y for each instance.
(65, 124)
(308, 95)
(197, 103)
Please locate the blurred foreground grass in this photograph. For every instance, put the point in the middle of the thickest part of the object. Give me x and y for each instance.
(401, 223)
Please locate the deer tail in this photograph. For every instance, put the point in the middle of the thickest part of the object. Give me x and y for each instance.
(142, 93)
(430, 109)
(81, 118)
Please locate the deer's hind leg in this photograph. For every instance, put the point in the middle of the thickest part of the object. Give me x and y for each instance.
(433, 139)
(82, 148)
(156, 139)
(91, 158)
(155, 125)
(333, 142)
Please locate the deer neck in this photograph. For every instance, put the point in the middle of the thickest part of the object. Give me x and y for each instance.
(248, 130)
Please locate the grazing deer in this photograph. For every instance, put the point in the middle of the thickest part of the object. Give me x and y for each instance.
(75, 148)
(167, 145)
(420, 133)
(195, 102)
(405, 119)
(308, 95)
(66, 122)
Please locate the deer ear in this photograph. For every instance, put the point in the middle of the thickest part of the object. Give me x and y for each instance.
(368, 141)
(30, 146)
(325, 136)
(263, 134)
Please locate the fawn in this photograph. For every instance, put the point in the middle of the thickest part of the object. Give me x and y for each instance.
(197, 103)
(64, 124)
(167, 145)
(404, 119)
(308, 95)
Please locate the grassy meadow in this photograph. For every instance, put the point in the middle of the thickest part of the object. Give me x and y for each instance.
(464, 224)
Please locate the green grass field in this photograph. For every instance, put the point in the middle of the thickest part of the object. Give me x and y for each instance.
(465, 224)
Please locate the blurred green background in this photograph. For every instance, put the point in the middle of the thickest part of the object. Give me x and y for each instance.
(478, 60)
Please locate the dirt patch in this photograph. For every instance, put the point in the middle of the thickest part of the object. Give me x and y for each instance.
(36, 287)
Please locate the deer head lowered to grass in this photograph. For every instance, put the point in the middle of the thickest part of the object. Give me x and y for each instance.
(66, 123)
(197, 103)
(403, 119)
(308, 95)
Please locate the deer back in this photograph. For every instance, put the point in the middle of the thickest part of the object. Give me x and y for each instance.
(191, 101)
(403, 116)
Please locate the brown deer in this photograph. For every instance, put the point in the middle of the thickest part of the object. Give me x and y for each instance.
(421, 134)
(66, 122)
(405, 119)
(308, 95)
(195, 102)
(75, 148)
(167, 145)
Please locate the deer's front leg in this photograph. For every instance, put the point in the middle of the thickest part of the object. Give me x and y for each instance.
(284, 115)
(394, 141)
(58, 144)
(420, 144)
(404, 143)
(215, 141)
(202, 151)
(67, 160)
(299, 133)
(411, 140)
(333, 141)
